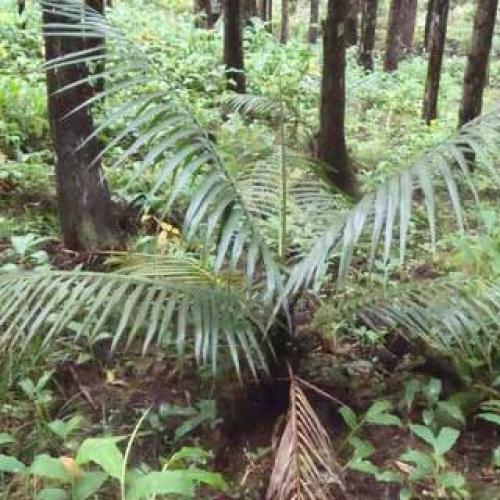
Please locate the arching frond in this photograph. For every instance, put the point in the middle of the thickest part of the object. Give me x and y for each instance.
(311, 203)
(254, 105)
(458, 318)
(171, 301)
(385, 214)
(304, 466)
(152, 123)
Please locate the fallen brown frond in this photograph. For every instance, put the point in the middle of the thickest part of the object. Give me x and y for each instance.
(305, 467)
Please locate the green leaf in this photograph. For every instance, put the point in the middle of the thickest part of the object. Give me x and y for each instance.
(364, 466)
(389, 476)
(362, 449)
(6, 438)
(349, 416)
(433, 389)
(11, 464)
(411, 389)
(424, 433)
(88, 484)
(173, 482)
(496, 457)
(377, 414)
(446, 439)
(490, 417)
(452, 480)
(103, 452)
(52, 494)
(453, 410)
(63, 429)
(50, 468)
(424, 466)
(192, 454)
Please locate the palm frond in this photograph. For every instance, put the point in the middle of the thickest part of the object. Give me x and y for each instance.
(304, 466)
(172, 301)
(459, 318)
(388, 210)
(155, 125)
(254, 105)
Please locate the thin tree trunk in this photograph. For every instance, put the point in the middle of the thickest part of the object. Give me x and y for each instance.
(351, 25)
(428, 24)
(285, 20)
(437, 41)
(85, 207)
(203, 9)
(477, 60)
(21, 6)
(314, 22)
(408, 23)
(249, 11)
(265, 11)
(331, 140)
(368, 32)
(393, 40)
(233, 46)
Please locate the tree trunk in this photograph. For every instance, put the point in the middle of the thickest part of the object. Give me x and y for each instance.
(249, 10)
(477, 60)
(285, 19)
(368, 31)
(428, 23)
(351, 25)
(331, 140)
(203, 9)
(85, 206)
(408, 23)
(265, 11)
(233, 46)
(393, 41)
(314, 22)
(437, 41)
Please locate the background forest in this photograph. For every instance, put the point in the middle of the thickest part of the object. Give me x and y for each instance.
(249, 249)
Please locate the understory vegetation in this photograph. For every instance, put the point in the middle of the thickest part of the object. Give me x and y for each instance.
(255, 332)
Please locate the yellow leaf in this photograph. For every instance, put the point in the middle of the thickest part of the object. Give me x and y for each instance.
(70, 466)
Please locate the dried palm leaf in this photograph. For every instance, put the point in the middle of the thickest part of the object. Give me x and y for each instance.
(305, 467)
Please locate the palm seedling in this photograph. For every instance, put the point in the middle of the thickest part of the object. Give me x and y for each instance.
(263, 234)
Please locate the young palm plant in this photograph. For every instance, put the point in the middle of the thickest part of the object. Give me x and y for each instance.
(226, 296)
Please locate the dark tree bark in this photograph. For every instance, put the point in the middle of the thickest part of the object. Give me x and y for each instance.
(351, 25)
(21, 6)
(408, 23)
(437, 41)
(233, 46)
(265, 11)
(331, 139)
(313, 22)
(368, 31)
(285, 20)
(393, 40)
(87, 218)
(477, 60)
(428, 23)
